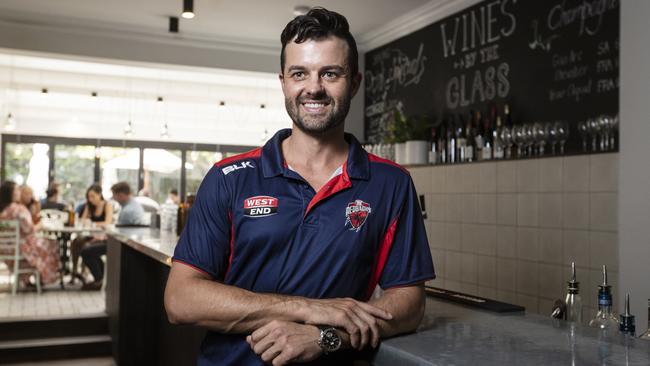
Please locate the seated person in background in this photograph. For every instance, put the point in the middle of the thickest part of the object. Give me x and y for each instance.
(27, 200)
(173, 197)
(131, 214)
(40, 253)
(96, 210)
(52, 201)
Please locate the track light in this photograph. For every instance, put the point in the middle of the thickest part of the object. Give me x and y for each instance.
(173, 24)
(188, 9)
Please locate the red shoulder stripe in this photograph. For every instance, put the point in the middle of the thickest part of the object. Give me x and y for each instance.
(376, 159)
(255, 153)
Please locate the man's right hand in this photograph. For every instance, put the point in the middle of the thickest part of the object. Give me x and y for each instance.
(358, 319)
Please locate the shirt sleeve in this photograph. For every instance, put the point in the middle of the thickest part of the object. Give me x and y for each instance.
(409, 258)
(205, 241)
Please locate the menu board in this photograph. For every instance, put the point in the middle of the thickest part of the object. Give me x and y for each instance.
(549, 60)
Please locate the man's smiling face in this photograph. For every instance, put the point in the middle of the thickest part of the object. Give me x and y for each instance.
(317, 84)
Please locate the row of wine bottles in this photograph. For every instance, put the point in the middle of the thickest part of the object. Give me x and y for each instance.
(493, 135)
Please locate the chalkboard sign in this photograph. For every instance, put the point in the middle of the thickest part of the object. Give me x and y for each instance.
(549, 60)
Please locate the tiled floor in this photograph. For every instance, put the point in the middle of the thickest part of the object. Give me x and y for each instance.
(52, 302)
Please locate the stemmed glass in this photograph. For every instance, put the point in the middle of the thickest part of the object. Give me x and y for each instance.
(519, 138)
(583, 129)
(594, 131)
(539, 134)
(605, 123)
(551, 135)
(562, 128)
(614, 128)
(529, 138)
(506, 138)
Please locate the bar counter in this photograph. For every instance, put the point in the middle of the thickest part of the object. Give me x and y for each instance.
(450, 334)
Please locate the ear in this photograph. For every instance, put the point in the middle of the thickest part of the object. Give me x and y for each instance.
(281, 77)
(356, 83)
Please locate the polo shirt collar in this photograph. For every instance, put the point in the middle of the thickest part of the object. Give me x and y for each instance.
(273, 164)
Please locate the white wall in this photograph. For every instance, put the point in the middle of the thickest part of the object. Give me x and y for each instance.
(634, 160)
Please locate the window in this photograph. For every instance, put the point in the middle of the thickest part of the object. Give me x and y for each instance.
(28, 164)
(119, 164)
(162, 173)
(197, 166)
(74, 170)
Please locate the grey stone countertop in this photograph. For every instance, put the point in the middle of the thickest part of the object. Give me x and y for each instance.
(452, 334)
(155, 243)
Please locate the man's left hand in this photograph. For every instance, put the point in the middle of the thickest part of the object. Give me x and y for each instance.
(281, 342)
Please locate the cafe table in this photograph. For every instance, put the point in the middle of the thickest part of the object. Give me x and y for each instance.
(63, 235)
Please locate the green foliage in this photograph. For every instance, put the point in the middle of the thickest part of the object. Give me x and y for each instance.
(403, 129)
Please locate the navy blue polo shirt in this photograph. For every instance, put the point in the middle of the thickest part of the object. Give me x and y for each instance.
(256, 224)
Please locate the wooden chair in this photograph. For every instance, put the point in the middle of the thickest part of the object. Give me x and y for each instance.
(10, 250)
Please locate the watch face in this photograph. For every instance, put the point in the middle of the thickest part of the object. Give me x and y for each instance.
(331, 340)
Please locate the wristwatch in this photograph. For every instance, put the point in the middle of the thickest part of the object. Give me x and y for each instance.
(329, 340)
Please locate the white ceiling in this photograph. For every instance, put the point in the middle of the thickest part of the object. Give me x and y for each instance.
(248, 22)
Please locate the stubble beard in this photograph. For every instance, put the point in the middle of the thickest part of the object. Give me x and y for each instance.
(318, 125)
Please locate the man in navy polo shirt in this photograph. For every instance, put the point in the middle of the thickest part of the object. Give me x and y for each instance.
(285, 244)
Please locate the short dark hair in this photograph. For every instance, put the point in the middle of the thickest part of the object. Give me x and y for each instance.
(52, 190)
(174, 191)
(317, 24)
(121, 187)
(6, 194)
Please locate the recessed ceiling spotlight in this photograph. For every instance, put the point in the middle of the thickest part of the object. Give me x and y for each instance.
(188, 9)
(300, 10)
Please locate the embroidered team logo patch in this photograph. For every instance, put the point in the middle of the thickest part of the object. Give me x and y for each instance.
(356, 214)
(260, 206)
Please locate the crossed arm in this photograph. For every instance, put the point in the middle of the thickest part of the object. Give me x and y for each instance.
(282, 328)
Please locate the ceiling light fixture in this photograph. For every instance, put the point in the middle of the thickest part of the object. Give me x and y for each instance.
(128, 130)
(164, 133)
(188, 9)
(44, 90)
(300, 10)
(10, 123)
(159, 99)
(262, 106)
(93, 94)
(173, 24)
(222, 104)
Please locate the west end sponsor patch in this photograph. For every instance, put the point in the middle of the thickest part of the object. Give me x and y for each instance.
(356, 214)
(260, 206)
